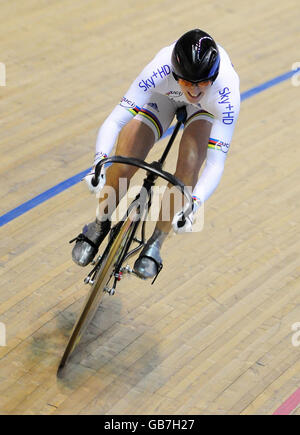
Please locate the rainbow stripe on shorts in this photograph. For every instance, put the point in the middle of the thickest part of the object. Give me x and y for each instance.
(201, 114)
(153, 119)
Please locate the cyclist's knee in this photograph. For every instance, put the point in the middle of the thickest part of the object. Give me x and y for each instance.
(136, 140)
(188, 165)
(123, 171)
(188, 174)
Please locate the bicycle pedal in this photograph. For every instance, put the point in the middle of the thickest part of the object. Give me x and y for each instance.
(96, 260)
(119, 275)
(110, 291)
(127, 270)
(88, 280)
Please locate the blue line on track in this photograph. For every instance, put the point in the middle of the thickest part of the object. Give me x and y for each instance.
(64, 185)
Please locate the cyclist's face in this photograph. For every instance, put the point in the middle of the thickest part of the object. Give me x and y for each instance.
(193, 91)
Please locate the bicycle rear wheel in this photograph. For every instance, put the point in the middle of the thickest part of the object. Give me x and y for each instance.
(112, 254)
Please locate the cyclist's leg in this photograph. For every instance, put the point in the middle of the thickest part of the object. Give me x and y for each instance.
(135, 140)
(192, 153)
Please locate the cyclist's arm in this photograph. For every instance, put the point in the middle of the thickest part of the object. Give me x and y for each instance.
(218, 147)
(137, 95)
(109, 131)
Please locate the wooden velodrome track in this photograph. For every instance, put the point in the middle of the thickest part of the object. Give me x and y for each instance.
(214, 334)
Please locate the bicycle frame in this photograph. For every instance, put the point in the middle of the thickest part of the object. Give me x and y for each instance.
(122, 235)
(154, 170)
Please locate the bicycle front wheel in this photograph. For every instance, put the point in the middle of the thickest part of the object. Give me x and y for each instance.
(111, 256)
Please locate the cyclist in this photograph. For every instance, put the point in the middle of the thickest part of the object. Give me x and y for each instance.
(193, 72)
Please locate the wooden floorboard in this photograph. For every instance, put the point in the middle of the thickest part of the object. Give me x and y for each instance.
(214, 334)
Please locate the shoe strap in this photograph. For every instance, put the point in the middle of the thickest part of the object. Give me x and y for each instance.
(159, 265)
(82, 238)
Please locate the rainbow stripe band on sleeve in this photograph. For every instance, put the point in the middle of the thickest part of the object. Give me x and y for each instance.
(196, 203)
(215, 144)
(152, 118)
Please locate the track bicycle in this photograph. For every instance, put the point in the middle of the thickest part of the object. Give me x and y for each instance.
(110, 267)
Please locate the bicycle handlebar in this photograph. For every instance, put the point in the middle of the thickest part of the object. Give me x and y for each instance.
(151, 167)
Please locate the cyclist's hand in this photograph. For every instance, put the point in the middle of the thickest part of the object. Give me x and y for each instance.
(101, 182)
(181, 224)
